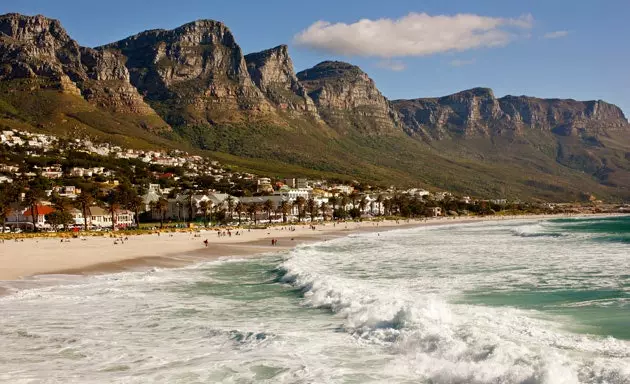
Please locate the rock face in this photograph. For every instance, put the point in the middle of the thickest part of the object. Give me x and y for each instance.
(196, 70)
(477, 112)
(197, 79)
(272, 71)
(32, 47)
(346, 96)
(39, 48)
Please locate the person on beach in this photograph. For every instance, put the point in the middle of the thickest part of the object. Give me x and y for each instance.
(205, 242)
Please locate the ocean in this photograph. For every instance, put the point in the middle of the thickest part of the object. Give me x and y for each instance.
(528, 301)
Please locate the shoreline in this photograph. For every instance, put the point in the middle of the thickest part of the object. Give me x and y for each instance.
(23, 264)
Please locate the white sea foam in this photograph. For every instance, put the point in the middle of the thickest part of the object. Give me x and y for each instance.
(382, 309)
(445, 342)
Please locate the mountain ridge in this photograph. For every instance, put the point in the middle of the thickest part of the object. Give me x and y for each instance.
(194, 84)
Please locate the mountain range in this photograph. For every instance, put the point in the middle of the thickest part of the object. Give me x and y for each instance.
(192, 87)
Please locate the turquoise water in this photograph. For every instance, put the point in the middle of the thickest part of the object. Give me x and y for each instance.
(601, 310)
(497, 302)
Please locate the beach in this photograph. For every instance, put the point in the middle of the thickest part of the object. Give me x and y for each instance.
(530, 300)
(104, 254)
(21, 260)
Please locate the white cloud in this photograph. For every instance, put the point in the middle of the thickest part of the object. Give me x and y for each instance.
(392, 65)
(556, 34)
(417, 34)
(461, 63)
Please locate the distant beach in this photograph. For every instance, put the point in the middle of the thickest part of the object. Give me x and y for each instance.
(30, 257)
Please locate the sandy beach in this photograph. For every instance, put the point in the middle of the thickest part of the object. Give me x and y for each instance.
(22, 260)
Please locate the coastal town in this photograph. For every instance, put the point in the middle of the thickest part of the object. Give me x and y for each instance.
(53, 184)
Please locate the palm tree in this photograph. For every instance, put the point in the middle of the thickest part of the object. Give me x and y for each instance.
(61, 205)
(372, 204)
(84, 201)
(363, 204)
(205, 208)
(135, 204)
(379, 200)
(344, 201)
(324, 208)
(32, 199)
(312, 208)
(240, 208)
(268, 206)
(387, 205)
(191, 211)
(253, 210)
(113, 206)
(354, 195)
(5, 208)
(285, 207)
(333, 202)
(162, 206)
(299, 203)
(230, 205)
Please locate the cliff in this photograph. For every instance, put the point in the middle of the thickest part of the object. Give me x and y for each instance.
(272, 71)
(39, 49)
(477, 112)
(329, 118)
(347, 98)
(193, 74)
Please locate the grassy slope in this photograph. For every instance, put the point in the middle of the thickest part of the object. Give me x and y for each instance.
(523, 168)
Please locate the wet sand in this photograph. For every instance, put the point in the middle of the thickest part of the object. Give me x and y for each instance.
(21, 261)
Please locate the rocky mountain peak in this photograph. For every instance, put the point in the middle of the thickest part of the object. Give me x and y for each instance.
(332, 70)
(34, 29)
(478, 112)
(347, 98)
(480, 92)
(272, 71)
(197, 67)
(39, 49)
(33, 46)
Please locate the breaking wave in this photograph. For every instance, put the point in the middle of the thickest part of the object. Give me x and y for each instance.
(442, 342)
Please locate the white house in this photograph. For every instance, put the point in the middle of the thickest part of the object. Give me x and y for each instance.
(101, 218)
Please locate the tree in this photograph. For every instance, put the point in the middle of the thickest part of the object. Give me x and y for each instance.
(363, 204)
(333, 203)
(83, 202)
(268, 207)
(299, 203)
(387, 205)
(311, 205)
(379, 200)
(240, 208)
(253, 210)
(61, 206)
(135, 204)
(205, 208)
(32, 198)
(113, 205)
(285, 208)
(8, 194)
(354, 196)
(324, 208)
(162, 207)
(355, 213)
(191, 210)
(59, 218)
(230, 205)
(344, 201)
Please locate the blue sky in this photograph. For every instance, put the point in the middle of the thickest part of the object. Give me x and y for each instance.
(588, 58)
